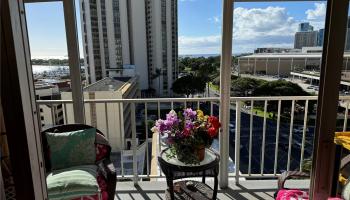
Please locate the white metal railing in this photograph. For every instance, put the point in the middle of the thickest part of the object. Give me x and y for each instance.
(260, 162)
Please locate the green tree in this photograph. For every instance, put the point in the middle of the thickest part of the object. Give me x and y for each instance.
(242, 86)
(279, 88)
(188, 85)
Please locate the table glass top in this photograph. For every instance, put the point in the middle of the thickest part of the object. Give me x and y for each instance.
(209, 157)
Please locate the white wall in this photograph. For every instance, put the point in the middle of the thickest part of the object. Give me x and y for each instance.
(91, 65)
(137, 18)
(110, 34)
(115, 133)
(169, 46)
(157, 42)
(124, 31)
(100, 37)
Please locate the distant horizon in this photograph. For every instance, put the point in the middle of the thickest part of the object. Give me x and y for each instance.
(180, 55)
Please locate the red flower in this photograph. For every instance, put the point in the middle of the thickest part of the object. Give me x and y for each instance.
(186, 132)
(214, 121)
(212, 131)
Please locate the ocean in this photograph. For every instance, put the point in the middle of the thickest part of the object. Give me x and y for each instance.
(39, 69)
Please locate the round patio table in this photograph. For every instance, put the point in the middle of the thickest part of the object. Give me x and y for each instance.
(175, 169)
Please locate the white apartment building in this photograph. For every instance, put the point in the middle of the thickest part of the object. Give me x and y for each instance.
(114, 124)
(50, 115)
(142, 33)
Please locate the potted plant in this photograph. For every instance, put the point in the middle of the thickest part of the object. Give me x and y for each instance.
(188, 133)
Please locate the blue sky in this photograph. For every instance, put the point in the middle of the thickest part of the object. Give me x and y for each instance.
(270, 24)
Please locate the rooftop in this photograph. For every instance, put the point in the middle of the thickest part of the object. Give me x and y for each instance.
(108, 84)
(289, 55)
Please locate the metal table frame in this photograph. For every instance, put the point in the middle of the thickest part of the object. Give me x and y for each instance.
(173, 172)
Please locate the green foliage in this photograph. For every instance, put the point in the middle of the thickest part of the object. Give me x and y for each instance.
(306, 165)
(207, 68)
(242, 86)
(279, 88)
(245, 86)
(189, 84)
(54, 62)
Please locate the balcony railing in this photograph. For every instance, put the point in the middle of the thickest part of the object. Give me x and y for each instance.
(267, 134)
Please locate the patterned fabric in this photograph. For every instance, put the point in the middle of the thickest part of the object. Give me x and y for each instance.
(101, 152)
(72, 148)
(103, 187)
(292, 195)
(72, 182)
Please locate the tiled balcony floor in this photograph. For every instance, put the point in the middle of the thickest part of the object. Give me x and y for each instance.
(247, 190)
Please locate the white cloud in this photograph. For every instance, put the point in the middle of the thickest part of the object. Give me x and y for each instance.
(252, 28)
(316, 16)
(199, 45)
(318, 13)
(255, 23)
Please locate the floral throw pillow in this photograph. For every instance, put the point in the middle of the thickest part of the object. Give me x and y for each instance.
(72, 148)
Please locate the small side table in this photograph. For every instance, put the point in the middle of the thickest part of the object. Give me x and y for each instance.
(175, 169)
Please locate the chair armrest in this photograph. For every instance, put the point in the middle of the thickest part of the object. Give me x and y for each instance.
(107, 169)
(290, 175)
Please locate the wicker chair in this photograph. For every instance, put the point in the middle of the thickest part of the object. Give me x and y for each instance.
(105, 166)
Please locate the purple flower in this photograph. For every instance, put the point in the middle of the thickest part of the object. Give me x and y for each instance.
(187, 129)
(188, 125)
(161, 126)
(189, 113)
(171, 118)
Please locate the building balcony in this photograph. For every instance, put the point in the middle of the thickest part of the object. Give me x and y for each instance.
(268, 135)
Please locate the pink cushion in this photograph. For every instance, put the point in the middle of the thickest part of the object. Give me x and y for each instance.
(292, 195)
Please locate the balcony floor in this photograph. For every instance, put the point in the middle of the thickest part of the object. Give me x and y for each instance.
(248, 189)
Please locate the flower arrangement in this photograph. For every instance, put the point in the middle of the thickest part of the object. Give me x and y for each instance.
(188, 133)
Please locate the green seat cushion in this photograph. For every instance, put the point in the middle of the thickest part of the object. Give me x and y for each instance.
(72, 182)
(72, 148)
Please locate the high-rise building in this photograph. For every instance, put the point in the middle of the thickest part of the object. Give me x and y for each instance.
(320, 37)
(305, 39)
(305, 27)
(142, 33)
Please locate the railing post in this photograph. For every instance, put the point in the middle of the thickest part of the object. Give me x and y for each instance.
(332, 59)
(225, 83)
(133, 143)
(237, 140)
(74, 60)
